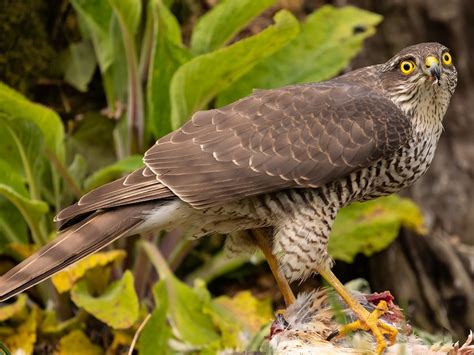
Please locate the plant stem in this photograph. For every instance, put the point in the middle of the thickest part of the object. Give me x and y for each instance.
(135, 92)
(36, 233)
(156, 259)
(64, 173)
(179, 252)
(221, 264)
(56, 188)
(34, 195)
(148, 43)
(141, 269)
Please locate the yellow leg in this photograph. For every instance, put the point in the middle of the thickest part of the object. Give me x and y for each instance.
(263, 241)
(367, 321)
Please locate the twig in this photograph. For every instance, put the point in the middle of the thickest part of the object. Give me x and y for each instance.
(137, 333)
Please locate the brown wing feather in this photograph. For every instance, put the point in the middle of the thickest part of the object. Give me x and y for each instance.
(139, 186)
(84, 238)
(298, 136)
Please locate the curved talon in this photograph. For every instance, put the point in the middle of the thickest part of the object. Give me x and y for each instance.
(375, 325)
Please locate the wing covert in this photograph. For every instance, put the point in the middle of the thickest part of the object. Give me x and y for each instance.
(297, 136)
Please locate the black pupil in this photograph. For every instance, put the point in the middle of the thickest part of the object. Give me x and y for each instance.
(406, 66)
(446, 57)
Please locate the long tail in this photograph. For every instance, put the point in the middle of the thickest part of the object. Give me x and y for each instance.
(75, 243)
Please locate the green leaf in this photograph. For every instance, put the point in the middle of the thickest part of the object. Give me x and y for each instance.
(76, 342)
(22, 144)
(223, 22)
(15, 105)
(117, 306)
(9, 310)
(51, 325)
(198, 81)
(239, 317)
(100, 25)
(79, 65)
(185, 306)
(83, 140)
(220, 264)
(13, 228)
(13, 188)
(113, 171)
(23, 339)
(371, 226)
(168, 54)
(97, 17)
(128, 12)
(78, 169)
(26, 137)
(328, 40)
(65, 279)
(157, 332)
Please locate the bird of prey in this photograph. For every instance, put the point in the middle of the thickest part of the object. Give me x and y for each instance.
(284, 160)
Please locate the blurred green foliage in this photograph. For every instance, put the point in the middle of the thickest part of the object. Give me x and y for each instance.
(146, 68)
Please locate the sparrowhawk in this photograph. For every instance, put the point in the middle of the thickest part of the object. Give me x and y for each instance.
(285, 159)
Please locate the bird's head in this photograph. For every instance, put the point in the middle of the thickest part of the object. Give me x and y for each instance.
(421, 74)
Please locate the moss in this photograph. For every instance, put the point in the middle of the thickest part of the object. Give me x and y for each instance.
(25, 51)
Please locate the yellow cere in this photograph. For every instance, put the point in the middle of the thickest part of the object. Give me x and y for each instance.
(447, 59)
(407, 67)
(430, 61)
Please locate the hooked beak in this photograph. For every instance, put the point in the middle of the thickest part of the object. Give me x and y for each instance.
(435, 73)
(433, 69)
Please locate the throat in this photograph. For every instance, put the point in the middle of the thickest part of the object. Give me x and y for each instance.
(426, 107)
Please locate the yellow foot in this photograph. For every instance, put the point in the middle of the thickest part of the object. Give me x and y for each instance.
(371, 322)
(367, 321)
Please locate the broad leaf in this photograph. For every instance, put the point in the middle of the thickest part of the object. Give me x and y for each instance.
(128, 12)
(168, 54)
(371, 226)
(97, 17)
(100, 25)
(198, 81)
(51, 325)
(156, 333)
(113, 171)
(22, 341)
(13, 228)
(83, 140)
(12, 309)
(13, 188)
(239, 318)
(79, 64)
(76, 342)
(223, 22)
(15, 105)
(329, 39)
(117, 306)
(65, 279)
(27, 140)
(250, 312)
(77, 171)
(185, 306)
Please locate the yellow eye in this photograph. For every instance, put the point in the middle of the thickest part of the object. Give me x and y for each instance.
(447, 59)
(407, 67)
